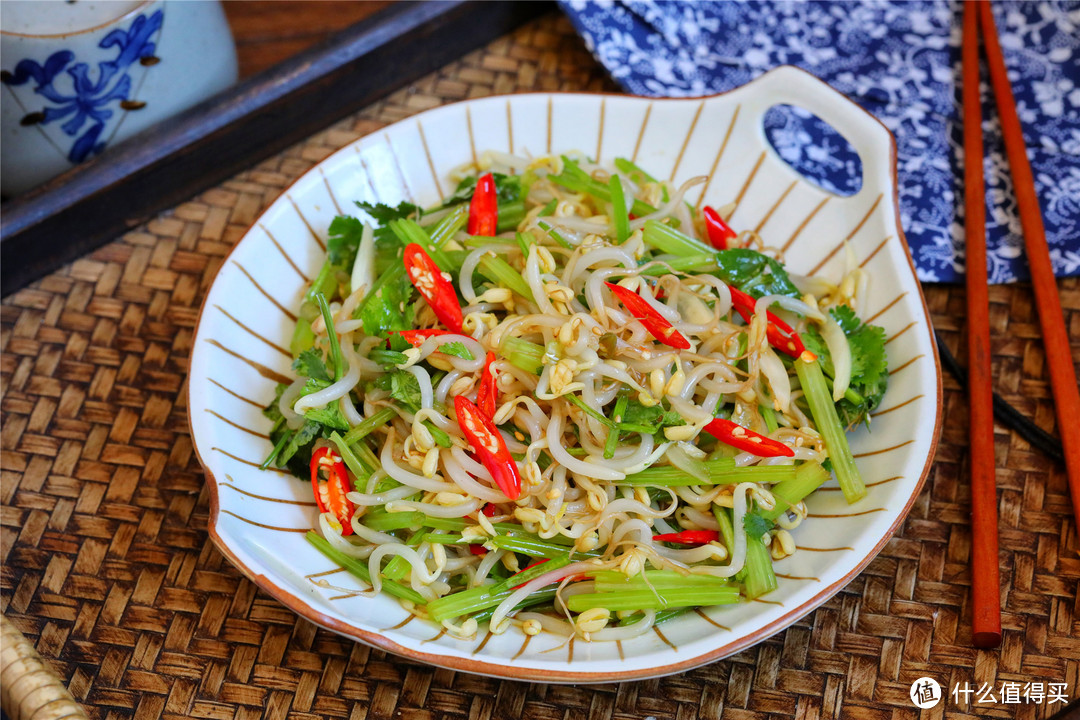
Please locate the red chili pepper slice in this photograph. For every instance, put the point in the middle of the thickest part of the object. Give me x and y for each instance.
(781, 335)
(482, 434)
(484, 208)
(437, 290)
(491, 510)
(330, 493)
(416, 338)
(745, 439)
(689, 537)
(654, 322)
(719, 232)
(477, 549)
(487, 397)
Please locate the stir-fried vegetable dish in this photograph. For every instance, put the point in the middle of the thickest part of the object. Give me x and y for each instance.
(567, 399)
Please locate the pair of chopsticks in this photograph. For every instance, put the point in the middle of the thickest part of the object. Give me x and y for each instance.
(985, 580)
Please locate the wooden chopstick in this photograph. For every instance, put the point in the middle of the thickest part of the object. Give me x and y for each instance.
(985, 581)
(1047, 300)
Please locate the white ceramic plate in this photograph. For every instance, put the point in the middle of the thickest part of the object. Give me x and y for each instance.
(258, 518)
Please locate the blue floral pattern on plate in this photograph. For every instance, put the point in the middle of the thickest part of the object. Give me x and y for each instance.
(89, 99)
(901, 62)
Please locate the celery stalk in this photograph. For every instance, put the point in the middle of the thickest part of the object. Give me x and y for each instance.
(361, 470)
(302, 337)
(341, 366)
(537, 598)
(613, 436)
(524, 354)
(659, 600)
(808, 478)
(828, 424)
(534, 547)
(383, 521)
(497, 269)
(727, 527)
(369, 425)
(722, 471)
(669, 240)
(360, 569)
(399, 568)
(408, 231)
(760, 577)
(449, 225)
(619, 215)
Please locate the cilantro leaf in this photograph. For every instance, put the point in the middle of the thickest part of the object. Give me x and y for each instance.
(310, 364)
(754, 273)
(655, 417)
(383, 214)
(344, 241)
(869, 364)
(389, 306)
(296, 455)
(457, 349)
(272, 410)
(403, 387)
(756, 526)
(507, 189)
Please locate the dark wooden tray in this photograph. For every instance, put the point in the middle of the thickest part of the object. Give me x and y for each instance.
(93, 203)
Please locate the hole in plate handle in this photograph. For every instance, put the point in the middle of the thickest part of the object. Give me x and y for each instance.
(814, 149)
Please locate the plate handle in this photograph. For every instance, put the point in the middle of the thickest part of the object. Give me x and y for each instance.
(789, 85)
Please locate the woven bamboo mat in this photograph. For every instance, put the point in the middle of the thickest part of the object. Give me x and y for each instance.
(108, 570)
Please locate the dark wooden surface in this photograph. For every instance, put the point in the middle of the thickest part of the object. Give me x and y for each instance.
(93, 203)
(268, 32)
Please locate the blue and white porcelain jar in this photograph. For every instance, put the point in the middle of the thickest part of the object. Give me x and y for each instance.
(79, 75)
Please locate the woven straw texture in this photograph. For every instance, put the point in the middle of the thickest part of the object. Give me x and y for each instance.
(108, 570)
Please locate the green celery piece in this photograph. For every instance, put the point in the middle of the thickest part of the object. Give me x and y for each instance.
(278, 446)
(828, 424)
(593, 413)
(722, 471)
(577, 180)
(697, 263)
(760, 577)
(669, 240)
(442, 539)
(660, 600)
(639, 176)
(620, 217)
(549, 208)
(510, 216)
(360, 569)
(369, 425)
(808, 478)
(613, 436)
(399, 568)
(302, 338)
(555, 235)
(361, 470)
(383, 521)
(537, 598)
(524, 354)
(769, 416)
(324, 283)
(611, 581)
(524, 241)
(727, 527)
(341, 366)
(496, 269)
(534, 546)
(449, 226)
(409, 231)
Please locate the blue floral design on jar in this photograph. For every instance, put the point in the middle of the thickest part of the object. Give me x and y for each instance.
(87, 103)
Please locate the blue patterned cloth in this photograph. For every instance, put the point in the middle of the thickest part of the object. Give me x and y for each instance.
(900, 61)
